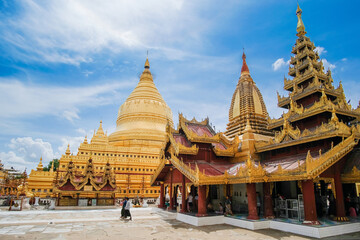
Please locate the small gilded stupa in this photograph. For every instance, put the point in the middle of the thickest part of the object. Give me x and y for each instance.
(143, 117)
(247, 106)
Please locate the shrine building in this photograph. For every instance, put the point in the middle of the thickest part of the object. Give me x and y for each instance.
(270, 167)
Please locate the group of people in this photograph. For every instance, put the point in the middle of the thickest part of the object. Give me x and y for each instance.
(221, 210)
(125, 211)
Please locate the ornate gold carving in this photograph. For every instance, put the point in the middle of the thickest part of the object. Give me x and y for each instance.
(351, 177)
(287, 131)
(315, 166)
(80, 181)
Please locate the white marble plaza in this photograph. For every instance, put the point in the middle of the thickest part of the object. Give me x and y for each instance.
(148, 223)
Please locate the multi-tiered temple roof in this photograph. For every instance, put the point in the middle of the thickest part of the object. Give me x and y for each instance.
(247, 104)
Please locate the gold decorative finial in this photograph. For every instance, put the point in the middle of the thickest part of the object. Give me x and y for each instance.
(68, 150)
(40, 165)
(300, 25)
(244, 68)
(147, 64)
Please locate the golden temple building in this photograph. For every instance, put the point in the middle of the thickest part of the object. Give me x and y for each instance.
(311, 152)
(40, 183)
(131, 153)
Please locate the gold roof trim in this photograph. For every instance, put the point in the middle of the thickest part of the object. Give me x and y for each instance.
(351, 177)
(324, 104)
(315, 166)
(181, 149)
(89, 175)
(325, 130)
(192, 136)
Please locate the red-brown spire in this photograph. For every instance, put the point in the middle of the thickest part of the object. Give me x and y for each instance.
(244, 68)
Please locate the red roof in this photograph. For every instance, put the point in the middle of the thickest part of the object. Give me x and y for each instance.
(212, 168)
(179, 138)
(219, 146)
(200, 130)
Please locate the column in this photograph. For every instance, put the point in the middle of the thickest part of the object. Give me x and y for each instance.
(176, 188)
(162, 195)
(340, 206)
(268, 203)
(201, 201)
(77, 199)
(183, 195)
(309, 203)
(171, 191)
(251, 195)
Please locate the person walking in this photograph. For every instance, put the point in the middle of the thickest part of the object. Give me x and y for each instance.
(127, 209)
(123, 208)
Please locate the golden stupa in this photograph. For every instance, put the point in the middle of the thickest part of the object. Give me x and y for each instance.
(132, 150)
(143, 117)
(247, 106)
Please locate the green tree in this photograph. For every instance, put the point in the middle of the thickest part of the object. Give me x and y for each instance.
(56, 165)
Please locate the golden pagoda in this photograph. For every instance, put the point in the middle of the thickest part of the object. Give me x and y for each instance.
(132, 151)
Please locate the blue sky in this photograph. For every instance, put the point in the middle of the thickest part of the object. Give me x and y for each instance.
(66, 65)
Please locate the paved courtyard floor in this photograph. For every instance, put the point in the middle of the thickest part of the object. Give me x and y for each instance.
(148, 223)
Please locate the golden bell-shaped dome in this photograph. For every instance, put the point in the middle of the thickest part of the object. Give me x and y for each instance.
(143, 117)
(247, 105)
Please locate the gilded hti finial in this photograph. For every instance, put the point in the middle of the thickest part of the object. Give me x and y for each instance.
(244, 68)
(300, 25)
(147, 64)
(40, 165)
(67, 152)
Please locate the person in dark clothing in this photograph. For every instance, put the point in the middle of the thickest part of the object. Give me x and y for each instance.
(127, 209)
(123, 208)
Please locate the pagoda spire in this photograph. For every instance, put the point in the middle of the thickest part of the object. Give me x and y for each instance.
(100, 130)
(300, 25)
(67, 152)
(244, 68)
(52, 166)
(40, 165)
(147, 64)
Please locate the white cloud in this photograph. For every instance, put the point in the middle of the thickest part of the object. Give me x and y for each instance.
(320, 50)
(71, 115)
(344, 59)
(25, 152)
(81, 131)
(70, 31)
(328, 65)
(26, 100)
(279, 64)
(74, 143)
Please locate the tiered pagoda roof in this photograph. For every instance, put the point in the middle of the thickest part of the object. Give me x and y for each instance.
(88, 181)
(199, 148)
(318, 131)
(247, 103)
(317, 128)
